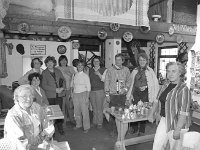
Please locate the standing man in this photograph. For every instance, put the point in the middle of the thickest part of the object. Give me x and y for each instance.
(116, 87)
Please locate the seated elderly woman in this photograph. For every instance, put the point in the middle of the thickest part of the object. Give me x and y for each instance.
(26, 119)
(40, 96)
(173, 109)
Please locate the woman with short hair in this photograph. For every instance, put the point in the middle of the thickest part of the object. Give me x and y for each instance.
(54, 84)
(81, 90)
(172, 109)
(144, 87)
(68, 72)
(26, 120)
(36, 64)
(97, 95)
(40, 96)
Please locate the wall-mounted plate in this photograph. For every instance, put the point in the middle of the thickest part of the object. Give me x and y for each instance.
(61, 49)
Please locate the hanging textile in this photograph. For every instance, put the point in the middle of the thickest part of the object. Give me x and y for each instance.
(109, 7)
(127, 12)
(3, 66)
(4, 4)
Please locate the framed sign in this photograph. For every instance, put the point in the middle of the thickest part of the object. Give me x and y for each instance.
(37, 49)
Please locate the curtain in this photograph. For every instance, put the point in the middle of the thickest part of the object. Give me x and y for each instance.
(110, 7)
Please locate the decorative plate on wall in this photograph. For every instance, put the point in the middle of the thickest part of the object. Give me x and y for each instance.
(23, 27)
(128, 36)
(64, 32)
(114, 26)
(160, 38)
(61, 49)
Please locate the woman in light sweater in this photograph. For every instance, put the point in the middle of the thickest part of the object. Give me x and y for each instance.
(144, 87)
(81, 90)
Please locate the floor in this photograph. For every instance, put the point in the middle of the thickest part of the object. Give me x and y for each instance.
(97, 139)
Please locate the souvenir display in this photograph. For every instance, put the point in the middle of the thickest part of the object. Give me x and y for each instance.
(114, 26)
(133, 111)
(23, 28)
(128, 36)
(61, 49)
(64, 32)
(160, 38)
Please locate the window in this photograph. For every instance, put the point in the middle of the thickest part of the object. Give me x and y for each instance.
(165, 55)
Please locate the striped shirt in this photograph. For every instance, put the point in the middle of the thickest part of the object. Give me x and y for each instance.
(113, 74)
(177, 103)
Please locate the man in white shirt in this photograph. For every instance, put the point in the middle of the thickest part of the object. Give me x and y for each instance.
(81, 90)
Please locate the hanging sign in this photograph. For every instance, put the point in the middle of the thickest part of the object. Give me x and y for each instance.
(37, 49)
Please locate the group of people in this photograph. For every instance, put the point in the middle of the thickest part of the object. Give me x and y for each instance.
(115, 86)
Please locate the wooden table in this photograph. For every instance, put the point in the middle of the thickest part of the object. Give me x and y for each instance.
(56, 112)
(122, 127)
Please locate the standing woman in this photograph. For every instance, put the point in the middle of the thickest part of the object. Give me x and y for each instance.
(144, 87)
(81, 90)
(36, 64)
(40, 96)
(97, 95)
(67, 72)
(173, 109)
(53, 84)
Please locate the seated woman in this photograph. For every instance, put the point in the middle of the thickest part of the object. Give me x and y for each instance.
(26, 119)
(40, 97)
(36, 64)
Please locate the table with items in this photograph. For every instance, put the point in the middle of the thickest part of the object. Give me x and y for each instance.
(133, 113)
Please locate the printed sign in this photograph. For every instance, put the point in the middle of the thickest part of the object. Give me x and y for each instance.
(37, 49)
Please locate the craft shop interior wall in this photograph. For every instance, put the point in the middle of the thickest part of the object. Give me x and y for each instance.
(18, 64)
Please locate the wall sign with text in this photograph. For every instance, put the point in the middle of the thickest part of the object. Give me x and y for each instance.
(37, 49)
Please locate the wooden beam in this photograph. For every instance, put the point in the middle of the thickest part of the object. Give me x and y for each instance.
(87, 28)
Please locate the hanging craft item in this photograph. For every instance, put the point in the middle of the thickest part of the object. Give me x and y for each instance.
(160, 38)
(64, 32)
(102, 34)
(61, 49)
(144, 29)
(23, 28)
(171, 30)
(20, 49)
(179, 39)
(128, 36)
(75, 44)
(114, 26)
